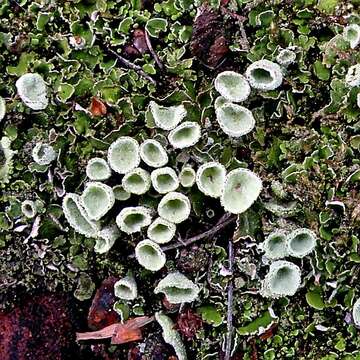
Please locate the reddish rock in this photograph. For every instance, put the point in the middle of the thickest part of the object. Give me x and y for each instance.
(101, 313)
(39, 329)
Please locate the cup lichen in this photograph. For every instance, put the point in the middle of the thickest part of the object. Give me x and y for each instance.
(167, 118)
(235, 120)
(264, 75)
(275, 245)
(132, 219)
(32, 91)
(170, 335)
(124, 154)
(185, 135)
(29, 208)
(136, 181)
(282, 279)
(174, 207)
(164, 180)
(232, 86)
(77, 217)
(98, 169)
(126, 288)
(43, 154)
(187, 177)
(150, 255)
(153, 153)
(106, 238)
(120, 194)
(161, 231)
(286, 57)
(97, 199)
(242, 187)
(177, 288)
(210, 179)
(301, 242)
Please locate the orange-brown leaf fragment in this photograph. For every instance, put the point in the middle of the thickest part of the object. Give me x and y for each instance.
(130, 330)
(119, 333)
(97, 107)
(123, 335)
(104, 333)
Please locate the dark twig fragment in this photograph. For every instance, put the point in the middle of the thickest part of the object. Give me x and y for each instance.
(18, 5)
(226, 220)
(152, 51)
(203, 235)
(230, 327)
(131, 65)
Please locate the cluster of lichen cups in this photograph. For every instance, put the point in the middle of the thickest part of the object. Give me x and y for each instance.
(236, 120)
(237, 189)
(284, 277)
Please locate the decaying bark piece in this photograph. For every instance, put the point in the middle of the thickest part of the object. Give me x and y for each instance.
(209, 42)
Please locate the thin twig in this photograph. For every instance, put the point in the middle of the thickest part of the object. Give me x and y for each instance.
(230, 298)
(131, 65)
(227, 220)
(152, 51)
(20, 6)
(203, 235)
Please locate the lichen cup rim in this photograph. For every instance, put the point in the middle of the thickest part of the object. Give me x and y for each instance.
(239, 89)
(177, 280)
(234, 120)
(179, 113)
(269, 71)
(307, 248)
(156, 164)
(275, 254)
(159, 221)
(248, 201)
(169, 214)
(39, 99)
(124, 165)
(133, 210)
(195, 135)
(140, 188)
(270, 289)
(98, 210)
(161, 172)
(153, 262)
(107, 171)
(205, 187)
